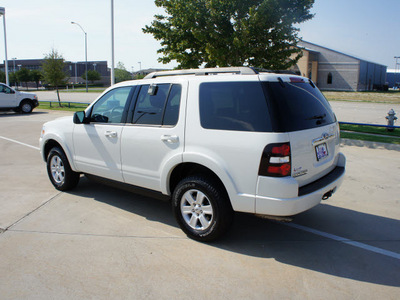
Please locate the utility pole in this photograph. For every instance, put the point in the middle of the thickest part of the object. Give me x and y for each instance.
(3, 13)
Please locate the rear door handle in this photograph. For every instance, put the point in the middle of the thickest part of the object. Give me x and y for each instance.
(111, 134)
(170, 138)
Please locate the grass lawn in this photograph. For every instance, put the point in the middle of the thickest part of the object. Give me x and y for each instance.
(83, 90)
(375, 97)
(68, 106)
(370, 138)
(370, 129)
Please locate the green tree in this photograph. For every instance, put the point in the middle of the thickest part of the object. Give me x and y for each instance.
(2, 77)
(258, 33)
(24, 75)
(12, 78)
(120, 73)
(36, 76)
(92, 75)
(54, 70)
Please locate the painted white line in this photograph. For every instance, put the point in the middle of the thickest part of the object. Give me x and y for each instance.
(344, 240)
(17, 142)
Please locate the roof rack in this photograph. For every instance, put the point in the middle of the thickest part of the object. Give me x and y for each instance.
(205, 71)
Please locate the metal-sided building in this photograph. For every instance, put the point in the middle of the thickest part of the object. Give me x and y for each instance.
(334, 70)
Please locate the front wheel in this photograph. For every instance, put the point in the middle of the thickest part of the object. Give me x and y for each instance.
(59, 170)
(26, 107)
(202, 208)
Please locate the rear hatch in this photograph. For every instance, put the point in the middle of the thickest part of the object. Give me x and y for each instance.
(299, 109)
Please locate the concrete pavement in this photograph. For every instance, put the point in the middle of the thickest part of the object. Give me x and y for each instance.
(100, 242)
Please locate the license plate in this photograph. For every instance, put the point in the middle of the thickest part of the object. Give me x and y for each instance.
(321, 151)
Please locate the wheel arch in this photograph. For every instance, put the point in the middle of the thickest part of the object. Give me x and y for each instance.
(187, 169)
(50, 144)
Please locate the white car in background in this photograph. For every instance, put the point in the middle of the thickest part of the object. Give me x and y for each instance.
(11, 99)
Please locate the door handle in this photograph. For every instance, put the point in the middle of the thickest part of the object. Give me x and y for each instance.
(111, 134)
(170, 138)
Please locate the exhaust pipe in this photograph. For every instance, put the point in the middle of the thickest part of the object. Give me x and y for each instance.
(328, 194)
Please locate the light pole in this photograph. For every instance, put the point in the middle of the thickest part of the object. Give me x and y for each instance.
(3, 13)
(112, 43)
(14, 58)
(140, 65)
(396, 68)
(85, 53)
(76, 77)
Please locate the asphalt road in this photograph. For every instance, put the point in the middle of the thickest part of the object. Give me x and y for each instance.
(359, 112)
(99, 242)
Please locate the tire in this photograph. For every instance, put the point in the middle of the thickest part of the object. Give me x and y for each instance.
(26, 107)
(59, 170)
(201, 208)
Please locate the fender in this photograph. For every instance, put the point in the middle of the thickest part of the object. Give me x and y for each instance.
(240, 202)
(64, 139)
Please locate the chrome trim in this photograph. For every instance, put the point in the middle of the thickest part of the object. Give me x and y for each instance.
(324, 137)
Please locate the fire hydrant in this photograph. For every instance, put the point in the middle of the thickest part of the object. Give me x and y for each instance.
(391, 117)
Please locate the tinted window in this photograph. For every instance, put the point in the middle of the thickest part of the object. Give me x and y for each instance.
(297, 106)
(110, 108)
(171, 113)
(157, 105)
(234, 106)
(149, 107)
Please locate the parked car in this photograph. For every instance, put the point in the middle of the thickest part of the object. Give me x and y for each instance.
(11, 99)
(214, 140)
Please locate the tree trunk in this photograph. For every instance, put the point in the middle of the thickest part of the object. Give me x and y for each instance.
(58, 96)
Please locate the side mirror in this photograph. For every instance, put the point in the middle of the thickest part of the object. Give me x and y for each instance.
(80, 118)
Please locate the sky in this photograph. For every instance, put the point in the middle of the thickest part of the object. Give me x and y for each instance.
(368, 29)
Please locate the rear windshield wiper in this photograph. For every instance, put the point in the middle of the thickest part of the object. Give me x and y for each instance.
(317, 117)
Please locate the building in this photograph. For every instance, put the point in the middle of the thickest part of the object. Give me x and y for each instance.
(75, 69)
(393, 78)
(334, 70)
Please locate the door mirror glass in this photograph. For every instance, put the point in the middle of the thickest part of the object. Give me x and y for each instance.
(79, 117)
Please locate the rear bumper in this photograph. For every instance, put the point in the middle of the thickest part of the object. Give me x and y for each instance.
(308, 196)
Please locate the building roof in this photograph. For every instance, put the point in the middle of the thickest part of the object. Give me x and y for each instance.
(342, 53)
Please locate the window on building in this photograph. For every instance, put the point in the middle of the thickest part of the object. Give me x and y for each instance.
(329, 80)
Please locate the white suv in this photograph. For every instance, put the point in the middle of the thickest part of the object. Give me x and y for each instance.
(214, 140)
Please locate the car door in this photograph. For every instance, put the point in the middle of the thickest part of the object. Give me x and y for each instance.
(154, 140)
(8, 97)
(97, 144)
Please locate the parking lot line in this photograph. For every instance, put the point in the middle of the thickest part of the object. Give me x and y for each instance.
(344, 240)
(17, 142)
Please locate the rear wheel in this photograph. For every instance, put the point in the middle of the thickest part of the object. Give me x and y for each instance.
(59, 170)
(202, 208)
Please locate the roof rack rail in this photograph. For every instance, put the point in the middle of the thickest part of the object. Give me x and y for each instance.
(290, 72)
(205, 71)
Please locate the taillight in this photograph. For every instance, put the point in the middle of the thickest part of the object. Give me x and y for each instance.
(275, 160)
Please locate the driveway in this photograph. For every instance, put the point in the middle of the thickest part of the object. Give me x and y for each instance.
(100, 242)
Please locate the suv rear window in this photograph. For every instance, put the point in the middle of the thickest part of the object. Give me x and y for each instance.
(297, 106)
(237, 106)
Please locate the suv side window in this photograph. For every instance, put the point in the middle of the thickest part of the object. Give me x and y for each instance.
(5, 89)
(110, 108)
(160, 107)
(239, 106)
